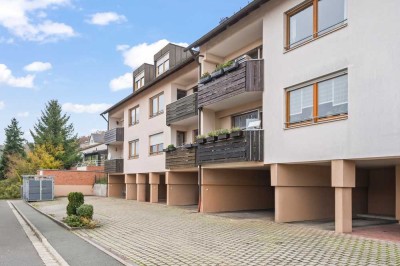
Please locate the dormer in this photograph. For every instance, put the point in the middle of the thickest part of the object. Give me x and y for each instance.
(142, 76)
(168, 57)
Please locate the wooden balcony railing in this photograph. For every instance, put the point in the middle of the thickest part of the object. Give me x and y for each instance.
(114, 166)
(248, 77)
(247, 148)
(182, 109)
(181, 158)
(114, 135)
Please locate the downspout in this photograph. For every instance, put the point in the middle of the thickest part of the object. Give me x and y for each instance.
(108, 128)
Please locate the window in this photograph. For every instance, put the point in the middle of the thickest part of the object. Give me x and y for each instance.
(313, 18)
(323, 99)
(157, 105)
(180, 94)
(163, 64)
(139, 81)
(134, 116)
(134, 149)
(195, 133)
(156, 143)
(246, 120)
(180, 138)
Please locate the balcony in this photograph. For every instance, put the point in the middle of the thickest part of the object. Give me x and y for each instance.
(181, 158)
(114, 136)
(240, 86)
(182, 110)
(249, 147)
(114, 166)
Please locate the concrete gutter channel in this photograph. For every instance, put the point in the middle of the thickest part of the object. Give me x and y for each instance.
(112, 259)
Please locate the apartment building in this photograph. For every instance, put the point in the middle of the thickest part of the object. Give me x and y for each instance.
(137, 130)
(308, 91)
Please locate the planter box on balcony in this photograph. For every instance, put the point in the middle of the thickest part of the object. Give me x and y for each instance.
(223, 136)
(205, 80)
(201, 141)
(236, 134)
(217, 73)
(188, 146)
(212, 139)
(231, 67)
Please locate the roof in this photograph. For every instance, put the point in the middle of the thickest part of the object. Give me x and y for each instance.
(152, 83)
(255, 4)
(98, 137)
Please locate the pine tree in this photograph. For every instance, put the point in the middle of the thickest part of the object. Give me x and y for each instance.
(53, 130)
(14, 145)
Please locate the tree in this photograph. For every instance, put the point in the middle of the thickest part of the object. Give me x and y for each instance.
(54, 131)
(44, 157)
(14, 145)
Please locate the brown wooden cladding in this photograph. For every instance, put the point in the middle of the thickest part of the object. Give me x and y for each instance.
(182, 109)
(114, 135)
(249, 77)
(180, 158)
(248, 148)
(114, 166)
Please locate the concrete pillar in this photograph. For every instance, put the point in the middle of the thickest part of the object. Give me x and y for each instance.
(131, 188)
(343, 180)
(154, 181)
(398, 192)
(141, 187)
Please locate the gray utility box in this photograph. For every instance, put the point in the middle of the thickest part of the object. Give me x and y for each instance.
(37, 188)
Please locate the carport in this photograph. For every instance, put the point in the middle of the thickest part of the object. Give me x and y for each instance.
(116, 186)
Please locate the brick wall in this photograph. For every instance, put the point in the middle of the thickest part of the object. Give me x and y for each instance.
(72, 177)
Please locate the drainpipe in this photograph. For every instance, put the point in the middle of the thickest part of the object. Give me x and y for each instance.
(199, 167)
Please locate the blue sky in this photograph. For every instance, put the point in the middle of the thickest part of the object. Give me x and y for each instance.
(81, 51)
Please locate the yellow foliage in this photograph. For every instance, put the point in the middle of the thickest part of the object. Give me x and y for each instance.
(19, 166)
(42, 157)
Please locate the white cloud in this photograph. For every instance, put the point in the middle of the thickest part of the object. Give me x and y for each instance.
(106, 18)
(89, 108)
(23, 114)
(8, 79)
(24, 19)
(2, 105)
(122, 82)
(136, 55)
(38, 66)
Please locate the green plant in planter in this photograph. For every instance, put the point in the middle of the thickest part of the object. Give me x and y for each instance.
(171, 147)
(228, 64)
(213, 133)
(75, 200)
(205, 75)
(201, 137)
(236, 129)
(223, 131)
(219, 67)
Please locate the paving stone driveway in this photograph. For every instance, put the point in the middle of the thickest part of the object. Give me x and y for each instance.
(154, 234)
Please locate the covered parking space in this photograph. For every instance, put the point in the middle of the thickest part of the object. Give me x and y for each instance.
(116, 186)
(237, 188)
(182, 188)
(338, 195)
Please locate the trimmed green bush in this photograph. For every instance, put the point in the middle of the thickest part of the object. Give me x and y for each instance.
(10, 188)
(75, 199)
(85, 210)
(73, 221)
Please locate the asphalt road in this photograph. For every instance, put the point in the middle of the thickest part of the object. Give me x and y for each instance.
(73, 249)
(15, 247)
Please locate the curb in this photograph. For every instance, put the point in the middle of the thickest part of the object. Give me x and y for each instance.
(46, 243)
(109, 253)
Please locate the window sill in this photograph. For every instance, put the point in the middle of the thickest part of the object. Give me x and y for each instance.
(156, 153)
(134, 158)
(320, 121)
(289, 49)
(134, 124)
(155, 115)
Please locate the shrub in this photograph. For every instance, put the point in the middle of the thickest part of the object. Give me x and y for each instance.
(10, 188)
(75, 199)
(73, 221)
(85, 211)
